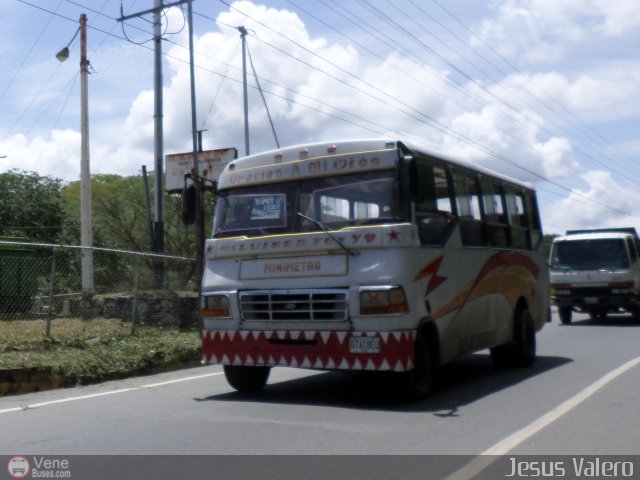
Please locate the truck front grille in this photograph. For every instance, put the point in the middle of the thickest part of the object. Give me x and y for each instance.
(328, 305)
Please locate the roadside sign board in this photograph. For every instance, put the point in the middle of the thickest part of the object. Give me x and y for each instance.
(210, 165)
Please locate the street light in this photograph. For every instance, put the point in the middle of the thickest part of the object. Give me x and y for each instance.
(63, 54)
(86, 234)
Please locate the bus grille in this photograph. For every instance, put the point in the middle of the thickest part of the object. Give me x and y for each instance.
(320, 305)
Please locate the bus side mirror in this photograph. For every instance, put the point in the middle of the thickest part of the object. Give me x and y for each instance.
(412, 172)
(408, 178)
(188, 203)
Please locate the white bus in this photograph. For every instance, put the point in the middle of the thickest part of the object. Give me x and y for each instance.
(369, 255)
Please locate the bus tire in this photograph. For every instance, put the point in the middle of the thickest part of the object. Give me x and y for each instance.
(524, 339)
(247, 379)
(501, 355)
(565, 315)
(417, 383)
(521, 351)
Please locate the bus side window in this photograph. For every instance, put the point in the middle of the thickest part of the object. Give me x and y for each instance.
(434, 213)
(632, 250)
(365, 210)
(493, 202)
(334, 210)
(517, 219)
(472, 228)
(531, 207)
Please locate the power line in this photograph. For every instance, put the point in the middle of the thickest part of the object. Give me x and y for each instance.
(255, 75)
(450, 133)
(456, 135)
(26, 57)
(569, 113)
(377, 12)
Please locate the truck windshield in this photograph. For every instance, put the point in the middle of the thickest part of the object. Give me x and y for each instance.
(600, 254)
(336, 202)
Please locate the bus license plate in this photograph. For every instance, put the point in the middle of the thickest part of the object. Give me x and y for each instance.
(364, 345)
(591, 300)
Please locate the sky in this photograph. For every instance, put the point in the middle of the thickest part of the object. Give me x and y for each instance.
(545, 91)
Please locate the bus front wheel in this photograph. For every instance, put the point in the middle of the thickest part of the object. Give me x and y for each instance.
(417, 382)
(247, 379)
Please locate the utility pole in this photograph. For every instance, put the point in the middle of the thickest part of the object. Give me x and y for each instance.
(243, 34)
(86, 232)
(199, 213)
(199, 139)
(158, 191)
(159, 5)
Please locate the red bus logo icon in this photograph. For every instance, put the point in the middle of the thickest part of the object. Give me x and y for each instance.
(18, 467)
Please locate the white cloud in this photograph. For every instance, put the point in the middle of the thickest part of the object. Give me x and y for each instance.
(58, 156)
(510, 143)
(603, 203)
(543, 31)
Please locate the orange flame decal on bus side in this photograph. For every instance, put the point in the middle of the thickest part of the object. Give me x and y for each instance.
(510, 274)
(432, 269)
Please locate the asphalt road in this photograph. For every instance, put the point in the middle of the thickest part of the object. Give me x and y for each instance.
(580, 398)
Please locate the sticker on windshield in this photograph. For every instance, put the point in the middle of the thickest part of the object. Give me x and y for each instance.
(267, 207)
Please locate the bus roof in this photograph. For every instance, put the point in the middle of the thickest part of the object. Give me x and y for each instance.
(303, 152)
(467, 164)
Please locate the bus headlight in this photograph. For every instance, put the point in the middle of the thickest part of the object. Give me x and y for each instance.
(216, 306)
(382, 300)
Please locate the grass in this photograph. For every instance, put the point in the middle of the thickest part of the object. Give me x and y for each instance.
(88, 350)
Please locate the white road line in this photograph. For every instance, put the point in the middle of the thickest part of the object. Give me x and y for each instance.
(178, 380)
(486, 458)
(110, 392)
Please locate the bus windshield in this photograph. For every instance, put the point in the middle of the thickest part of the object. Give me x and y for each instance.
(335, 202)
(600, 254)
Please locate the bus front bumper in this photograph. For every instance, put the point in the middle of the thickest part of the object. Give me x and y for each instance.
(321, 350)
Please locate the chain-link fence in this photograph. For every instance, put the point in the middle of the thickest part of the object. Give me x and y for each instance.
(45, 282)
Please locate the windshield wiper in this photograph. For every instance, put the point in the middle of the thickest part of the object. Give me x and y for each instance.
(326, 230)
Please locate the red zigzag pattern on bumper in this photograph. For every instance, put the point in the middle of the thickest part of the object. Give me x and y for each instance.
(320, 350)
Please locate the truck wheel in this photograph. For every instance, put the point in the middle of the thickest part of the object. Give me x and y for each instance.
(521, 351)
(565, 315)
(416, 383)
(247, 379)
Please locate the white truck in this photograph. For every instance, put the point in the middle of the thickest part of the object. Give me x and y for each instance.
(595, 272)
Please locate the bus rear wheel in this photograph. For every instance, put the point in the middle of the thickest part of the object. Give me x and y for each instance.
(521, 351)
(524, 339)
(247, 379)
